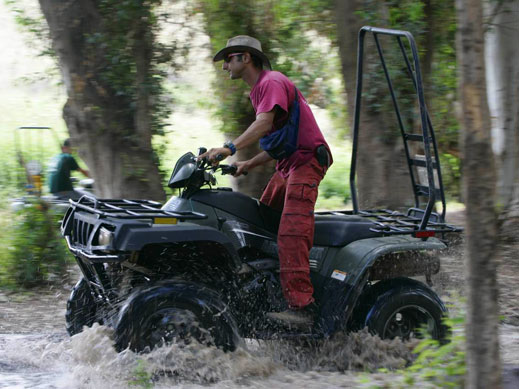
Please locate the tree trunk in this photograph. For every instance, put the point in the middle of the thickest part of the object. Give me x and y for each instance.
(113, 130)
(502, 67)
(483, 360)
(383, 177)
(225, 19)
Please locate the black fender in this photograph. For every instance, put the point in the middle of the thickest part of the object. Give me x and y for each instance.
(402, 291)
(364, 308)
(134, 238)
(207, 301)
(348, 272)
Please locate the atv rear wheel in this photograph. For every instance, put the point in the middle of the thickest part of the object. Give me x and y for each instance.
(81, 308)
(403, 310)
(176, 312)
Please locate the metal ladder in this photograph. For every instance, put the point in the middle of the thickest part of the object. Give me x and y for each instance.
(430, 192)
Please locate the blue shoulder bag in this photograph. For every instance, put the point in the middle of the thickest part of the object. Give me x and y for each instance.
(282, 143)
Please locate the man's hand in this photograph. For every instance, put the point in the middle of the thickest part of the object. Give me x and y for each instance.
(212, 155)
(242, 167)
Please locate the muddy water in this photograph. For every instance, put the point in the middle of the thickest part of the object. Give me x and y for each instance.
(88, 360)
(36, 352)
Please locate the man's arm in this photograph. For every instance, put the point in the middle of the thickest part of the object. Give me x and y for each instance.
(245, 166)
(259, 128)
(84, 172)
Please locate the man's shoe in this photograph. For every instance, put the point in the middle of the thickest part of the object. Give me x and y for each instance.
(295, 317)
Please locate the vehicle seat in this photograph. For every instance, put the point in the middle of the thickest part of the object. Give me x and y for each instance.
(340, 230)
(330, 230)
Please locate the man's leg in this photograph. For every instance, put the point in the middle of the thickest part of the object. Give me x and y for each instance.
(296, 233)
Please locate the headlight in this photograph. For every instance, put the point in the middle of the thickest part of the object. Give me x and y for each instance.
(105, 237)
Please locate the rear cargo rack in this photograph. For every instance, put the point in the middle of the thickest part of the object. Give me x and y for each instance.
(388, 222)
(130, 209)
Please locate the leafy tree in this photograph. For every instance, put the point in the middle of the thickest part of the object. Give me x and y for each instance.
(281, 28)
(382, 176)
(110, 62)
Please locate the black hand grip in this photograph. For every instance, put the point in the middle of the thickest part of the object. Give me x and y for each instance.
(231, 170)
(235, 168)
(201, 150)
(219, 157)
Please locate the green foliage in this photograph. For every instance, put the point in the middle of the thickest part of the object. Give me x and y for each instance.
(142, 379)
(335, 183)
(132, 58)
(35, 24)
(34, 252)
(288, 33)
(127, 64)
(441, 364)
(434, 29)
(451, 175)
(436, 364)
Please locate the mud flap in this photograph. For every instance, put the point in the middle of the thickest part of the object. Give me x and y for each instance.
(339, 298)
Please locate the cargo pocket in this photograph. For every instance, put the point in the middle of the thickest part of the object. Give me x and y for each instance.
(302, 192)
(296, 224)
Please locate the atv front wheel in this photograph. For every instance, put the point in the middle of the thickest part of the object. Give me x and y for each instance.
(81, 308)
(176, 312)
(404, 310)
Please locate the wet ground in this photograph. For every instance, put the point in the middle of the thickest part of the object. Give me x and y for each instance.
(36, 352)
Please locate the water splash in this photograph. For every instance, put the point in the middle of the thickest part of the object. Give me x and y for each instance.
(89, 360)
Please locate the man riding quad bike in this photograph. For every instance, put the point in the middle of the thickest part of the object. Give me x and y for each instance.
(205, 265)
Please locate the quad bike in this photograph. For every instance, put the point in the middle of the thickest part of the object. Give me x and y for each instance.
(205, 265)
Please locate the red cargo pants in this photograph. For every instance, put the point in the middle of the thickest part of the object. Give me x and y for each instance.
(295, 197)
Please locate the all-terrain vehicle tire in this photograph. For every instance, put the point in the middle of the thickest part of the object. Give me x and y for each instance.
(81, 308)
(404, 308)
(175, 312)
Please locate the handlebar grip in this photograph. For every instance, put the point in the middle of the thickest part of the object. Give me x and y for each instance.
(219, 157)
(201, 150)
(231, 170)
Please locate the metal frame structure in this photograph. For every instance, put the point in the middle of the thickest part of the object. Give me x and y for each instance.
(128, 209)
(27, 139)
(431, 192)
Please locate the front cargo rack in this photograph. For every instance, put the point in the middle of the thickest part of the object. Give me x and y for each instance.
(130, 209)
(389, 222)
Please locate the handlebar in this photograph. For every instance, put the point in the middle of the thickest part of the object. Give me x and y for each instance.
(229, 169)
(224, 169)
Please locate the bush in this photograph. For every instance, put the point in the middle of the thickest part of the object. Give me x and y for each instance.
(336, 181)
(441, 364)
(35, 251)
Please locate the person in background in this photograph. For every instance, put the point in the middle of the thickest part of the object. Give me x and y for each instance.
(60, 184)
(288, 132)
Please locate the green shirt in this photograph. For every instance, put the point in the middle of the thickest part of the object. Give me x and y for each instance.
(59, 173)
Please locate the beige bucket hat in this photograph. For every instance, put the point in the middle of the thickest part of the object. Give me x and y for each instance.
(242, 43)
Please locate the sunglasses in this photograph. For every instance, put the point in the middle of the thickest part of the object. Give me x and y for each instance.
(229, 57)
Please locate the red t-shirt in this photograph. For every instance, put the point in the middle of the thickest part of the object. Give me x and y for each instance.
(274, 88)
